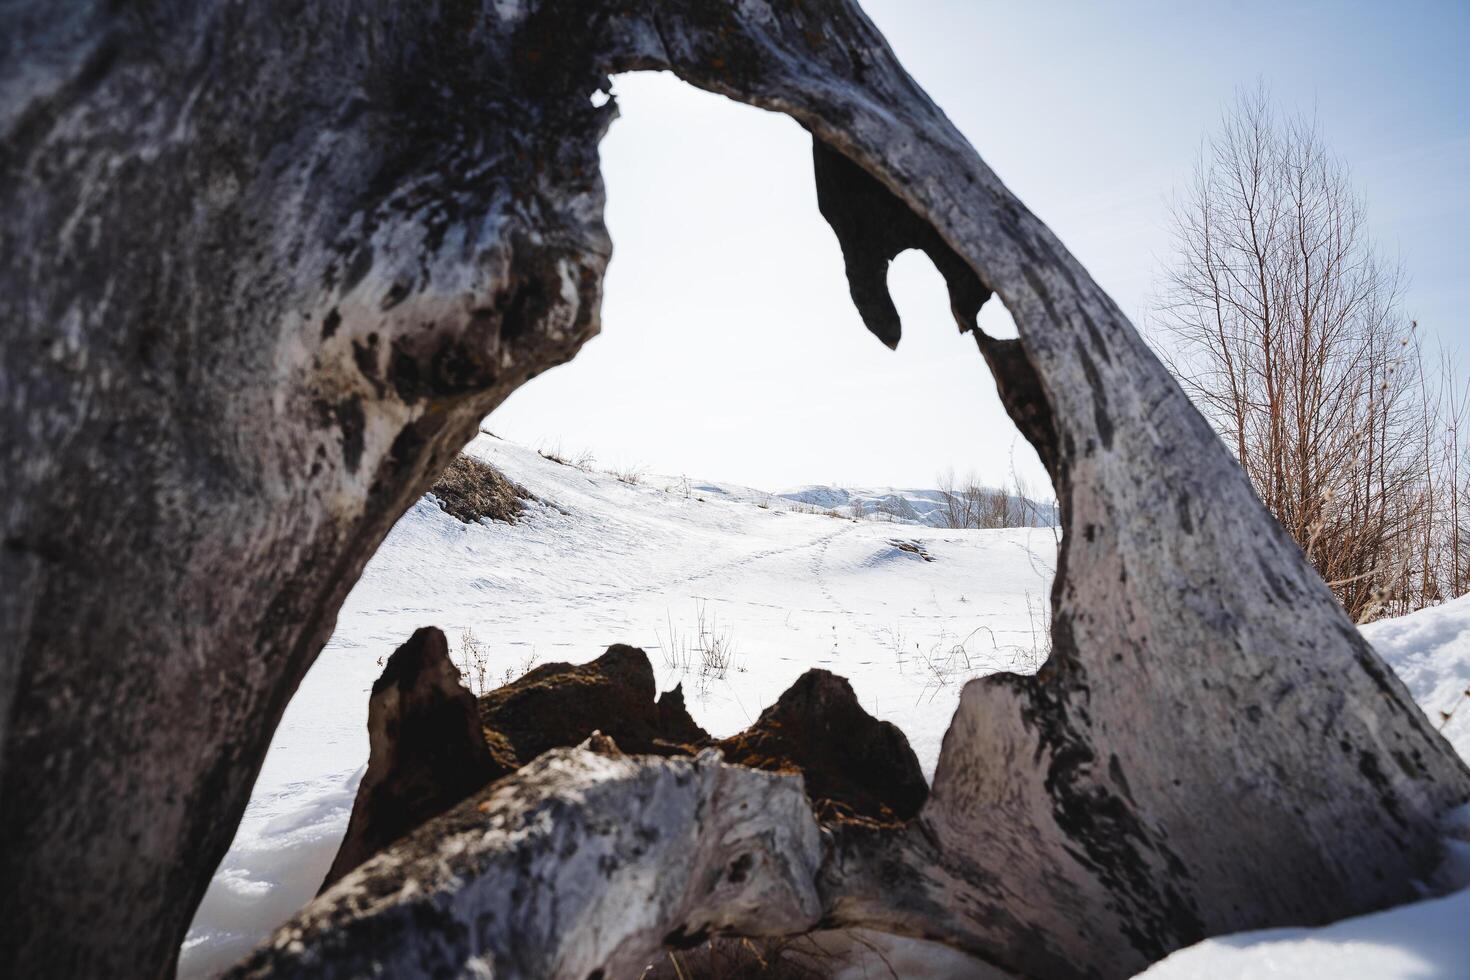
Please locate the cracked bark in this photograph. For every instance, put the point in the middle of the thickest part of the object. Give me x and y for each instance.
(266, 265)
(578, 866)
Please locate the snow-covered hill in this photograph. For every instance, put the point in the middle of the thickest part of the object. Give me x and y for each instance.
(1430, 651)
(904, 505)
(907, 612)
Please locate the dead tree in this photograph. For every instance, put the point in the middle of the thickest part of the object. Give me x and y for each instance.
(576, 867)
(265, 265)
(1286, 331)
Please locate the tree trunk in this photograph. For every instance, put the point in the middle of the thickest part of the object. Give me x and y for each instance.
(578, 866)
(265, 266)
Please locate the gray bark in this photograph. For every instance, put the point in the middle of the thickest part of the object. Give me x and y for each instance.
(264, 267)
(578, 866)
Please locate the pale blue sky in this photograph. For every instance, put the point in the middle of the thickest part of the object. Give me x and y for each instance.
(730, 349)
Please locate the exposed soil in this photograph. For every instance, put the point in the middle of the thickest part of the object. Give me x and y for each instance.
(913, 548)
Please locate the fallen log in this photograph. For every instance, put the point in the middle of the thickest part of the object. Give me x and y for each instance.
(433, 746)
(580, 865)
(264, 268)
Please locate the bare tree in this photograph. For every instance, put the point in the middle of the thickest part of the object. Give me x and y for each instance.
(1284, 325)
(969, 504)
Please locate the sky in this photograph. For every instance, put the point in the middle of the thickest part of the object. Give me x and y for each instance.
(729, 347)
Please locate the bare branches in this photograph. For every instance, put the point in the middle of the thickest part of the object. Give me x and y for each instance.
(968, 504)
(1285, 327)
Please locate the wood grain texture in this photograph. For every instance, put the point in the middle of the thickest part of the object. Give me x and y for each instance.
(264, 267)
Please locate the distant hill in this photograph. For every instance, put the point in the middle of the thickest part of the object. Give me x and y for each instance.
(903, 505)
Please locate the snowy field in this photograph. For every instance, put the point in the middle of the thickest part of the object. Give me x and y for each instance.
(907, 612)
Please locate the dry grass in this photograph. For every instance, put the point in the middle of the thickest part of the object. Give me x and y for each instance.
(631, 475)
(514, 673)
(741, 959)
(582, 461)
(707, 656)
(951, 659)
(1445, 716)
(473, 661)
(470, 491)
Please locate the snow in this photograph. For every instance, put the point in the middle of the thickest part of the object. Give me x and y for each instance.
(1430, 651)
(598, 561)
(659, 562)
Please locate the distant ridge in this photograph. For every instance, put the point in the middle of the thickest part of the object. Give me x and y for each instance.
(904, 505)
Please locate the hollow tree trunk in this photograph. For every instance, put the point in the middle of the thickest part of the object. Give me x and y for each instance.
(265, 265)
(1212, 746)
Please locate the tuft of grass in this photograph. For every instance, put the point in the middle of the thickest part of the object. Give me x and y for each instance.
(707, 656)
(515, 673)
(1446, 716)
(470, 490)
(473, 662)
(952, 659)
(580, 461)
(631, 475)
(1039, 612)
(731, 958)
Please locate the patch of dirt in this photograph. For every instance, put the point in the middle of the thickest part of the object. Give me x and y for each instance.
(470, 491)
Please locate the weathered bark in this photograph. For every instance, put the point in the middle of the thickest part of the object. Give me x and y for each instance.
(855, 767)
(556, 705)
(579, 866)
(263, 267)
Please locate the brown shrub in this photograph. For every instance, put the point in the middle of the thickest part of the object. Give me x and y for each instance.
(470, 490)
